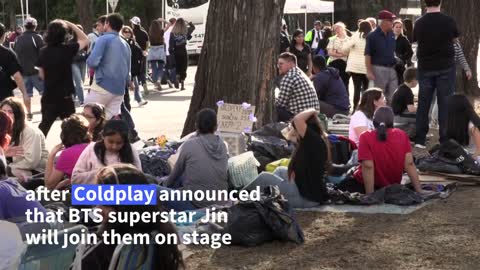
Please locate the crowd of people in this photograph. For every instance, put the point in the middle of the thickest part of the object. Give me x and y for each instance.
(315, 68)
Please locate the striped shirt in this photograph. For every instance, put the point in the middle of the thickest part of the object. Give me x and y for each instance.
(460, 57)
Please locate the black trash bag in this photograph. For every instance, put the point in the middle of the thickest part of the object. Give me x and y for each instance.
(251, 223)
(267, 149)
(434, 164)
(273, 129)
(453, 151)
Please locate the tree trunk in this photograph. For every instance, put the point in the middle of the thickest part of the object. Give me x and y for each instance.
(85, 14)
(466, 16)
(153, 11)
(237, 62)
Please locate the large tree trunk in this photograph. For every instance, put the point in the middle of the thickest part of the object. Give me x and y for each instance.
(153, 11)
(237, 62)
(85, 14)
(466, 15)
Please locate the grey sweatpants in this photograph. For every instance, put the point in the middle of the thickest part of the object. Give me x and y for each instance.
(386, 79)
(288, 189)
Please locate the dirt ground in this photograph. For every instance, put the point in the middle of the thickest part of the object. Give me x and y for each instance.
(443, 235)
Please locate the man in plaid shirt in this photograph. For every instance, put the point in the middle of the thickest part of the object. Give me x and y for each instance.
(297, 93)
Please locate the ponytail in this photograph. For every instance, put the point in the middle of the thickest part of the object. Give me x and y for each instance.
(382, 132)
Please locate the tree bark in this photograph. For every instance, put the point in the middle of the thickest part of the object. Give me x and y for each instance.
(466, 16)
(237, 62)
(85, 14)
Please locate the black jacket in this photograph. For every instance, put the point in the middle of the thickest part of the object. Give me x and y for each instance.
(137, 55)
(27, 47)
(403, 49)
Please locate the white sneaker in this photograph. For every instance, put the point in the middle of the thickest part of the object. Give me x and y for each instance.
(421, 146)
(141, 103)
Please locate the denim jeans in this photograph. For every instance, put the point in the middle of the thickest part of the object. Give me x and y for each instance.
(157, 70)
(78, 73)
(443, 82)
(136, 93)
(33, 81)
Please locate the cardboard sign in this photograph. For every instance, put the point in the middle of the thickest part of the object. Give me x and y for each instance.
(235, 118)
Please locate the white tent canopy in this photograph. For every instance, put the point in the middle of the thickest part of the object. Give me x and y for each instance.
(308, 6)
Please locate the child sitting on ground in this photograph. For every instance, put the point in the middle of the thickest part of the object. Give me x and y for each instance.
(114, 148)
(403, 104)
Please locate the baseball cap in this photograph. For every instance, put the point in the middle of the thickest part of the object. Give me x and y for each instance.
(135, 20)
(31, 21)
(317, 22)
(386, 15)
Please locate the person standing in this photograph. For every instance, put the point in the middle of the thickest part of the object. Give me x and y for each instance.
(136, 65)
(79, 68)
(170, 66)
(157, 56)
(178, 47)
(435, 34)
(55, 69)
(356, 60)
(338, 56)
(284, 40)
(141, 37)
(10, 68)
(302, 52)
(380, 55)
(403, 50)
(27, 47)
(111, 59)
(98, 31)
(314, 39)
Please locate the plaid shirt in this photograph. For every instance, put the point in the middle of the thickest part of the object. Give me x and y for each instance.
(297, 92)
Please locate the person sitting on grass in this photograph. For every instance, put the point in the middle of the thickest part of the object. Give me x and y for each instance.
(95, 114)
(463, 124)
(361, 120)
(202, 163)
(303, 183)
(384, 154)
(331, 91)
(114, 148)
(153, 256)
(75, 138)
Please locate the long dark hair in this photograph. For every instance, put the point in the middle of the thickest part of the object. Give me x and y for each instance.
(99, 112)
(156, 33)
(382, 121)
(5, 129)
(367, 105)
(364, 29)
(167, 256)
(408, 27)
(18, 117)
(296, 33)
(113, 127)
(56, 33)
(460, 114)
(313, 123)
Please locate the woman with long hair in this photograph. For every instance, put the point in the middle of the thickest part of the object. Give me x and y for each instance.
(302, 51)
(157, 55)
(384, 154)
(153, 256)
(27, 147)
(403, 50)
(303, 183)
(95, 114)
(338, 55)
(114, 148)
(75, 138)
(180, 35)
(5, 131)
(463, 124)
(408, 27)
(356, 66)
(361, 120)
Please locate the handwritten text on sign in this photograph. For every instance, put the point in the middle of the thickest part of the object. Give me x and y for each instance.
(234, 118)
